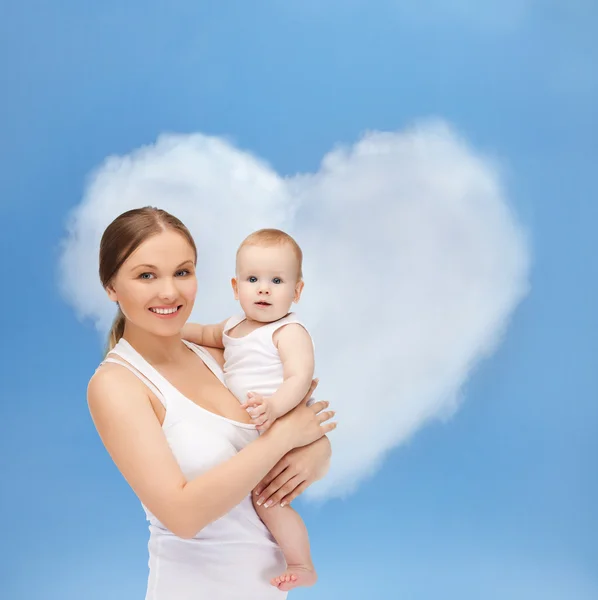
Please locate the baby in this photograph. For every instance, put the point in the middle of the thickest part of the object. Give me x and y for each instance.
(269, 366)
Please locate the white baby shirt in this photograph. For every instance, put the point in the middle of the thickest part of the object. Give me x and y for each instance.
(252, 362)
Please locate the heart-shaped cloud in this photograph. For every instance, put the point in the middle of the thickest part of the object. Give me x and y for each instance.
(414, 262)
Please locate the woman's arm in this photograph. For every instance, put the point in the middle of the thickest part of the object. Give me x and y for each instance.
(125, 420)
(296, 471)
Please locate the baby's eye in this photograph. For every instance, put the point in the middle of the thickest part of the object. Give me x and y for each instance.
(146, 275)
(252, 279)
(277, 280)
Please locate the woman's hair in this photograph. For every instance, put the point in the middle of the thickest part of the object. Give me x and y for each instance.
(274, 237)
(122, 237)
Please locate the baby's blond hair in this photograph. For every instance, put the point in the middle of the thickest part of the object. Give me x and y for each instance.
(274, 237)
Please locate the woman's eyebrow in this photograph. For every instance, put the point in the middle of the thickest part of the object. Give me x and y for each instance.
(156, 268)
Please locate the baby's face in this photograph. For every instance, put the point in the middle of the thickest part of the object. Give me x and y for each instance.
(266, 284)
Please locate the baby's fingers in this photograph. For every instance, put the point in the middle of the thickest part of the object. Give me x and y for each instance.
(252, 403)
(256, 413)
(253, 399)
(260, 421)
(249, 404)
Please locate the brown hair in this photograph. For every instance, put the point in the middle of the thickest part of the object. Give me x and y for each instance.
(122, 237)
(273, 237)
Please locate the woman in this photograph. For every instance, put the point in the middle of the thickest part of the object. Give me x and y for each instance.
(177, 435)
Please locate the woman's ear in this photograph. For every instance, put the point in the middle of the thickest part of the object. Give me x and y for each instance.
(111, 292)
(298, 291)
(233, 282)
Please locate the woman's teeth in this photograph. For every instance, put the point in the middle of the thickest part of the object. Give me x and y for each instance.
(165, 311)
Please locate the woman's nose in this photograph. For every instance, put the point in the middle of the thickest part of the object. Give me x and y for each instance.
(168, 290)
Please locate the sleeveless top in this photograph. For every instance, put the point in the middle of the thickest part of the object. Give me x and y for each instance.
(231, 558)
(252, 362)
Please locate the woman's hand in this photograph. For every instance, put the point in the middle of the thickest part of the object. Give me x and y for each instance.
(300, 467)
(304, 424)
(294, 473)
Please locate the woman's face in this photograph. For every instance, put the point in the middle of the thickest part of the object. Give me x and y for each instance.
(156, 286)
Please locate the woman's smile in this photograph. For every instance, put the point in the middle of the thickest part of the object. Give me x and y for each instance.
(166, 312)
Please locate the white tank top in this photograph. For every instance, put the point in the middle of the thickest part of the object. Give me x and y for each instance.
(252, 362)
(232, 557)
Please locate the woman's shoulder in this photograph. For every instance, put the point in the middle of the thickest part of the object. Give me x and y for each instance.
(112, 381)
(104, 374)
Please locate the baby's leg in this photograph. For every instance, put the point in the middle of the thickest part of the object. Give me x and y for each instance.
(290, 532)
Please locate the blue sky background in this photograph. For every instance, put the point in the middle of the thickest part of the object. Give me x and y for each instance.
(499, 502)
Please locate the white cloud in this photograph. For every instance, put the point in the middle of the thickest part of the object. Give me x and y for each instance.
(414, 263)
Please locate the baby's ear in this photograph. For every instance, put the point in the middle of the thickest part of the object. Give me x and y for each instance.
(233, 282)
(298, 291)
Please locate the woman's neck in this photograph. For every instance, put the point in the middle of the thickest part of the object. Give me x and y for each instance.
(156, 349)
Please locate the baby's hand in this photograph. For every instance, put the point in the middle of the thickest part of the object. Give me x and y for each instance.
(260, 410)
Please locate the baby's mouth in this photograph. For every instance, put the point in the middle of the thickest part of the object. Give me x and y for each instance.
(262, 303)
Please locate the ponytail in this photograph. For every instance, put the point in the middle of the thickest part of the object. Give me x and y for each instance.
(117, 330)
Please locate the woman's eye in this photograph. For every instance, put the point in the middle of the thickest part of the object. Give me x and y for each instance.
(252, 279)
(183, 272)
(277, 280)
(146, 276)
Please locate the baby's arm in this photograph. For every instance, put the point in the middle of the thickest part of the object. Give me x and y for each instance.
(296, 352)
(204, 335)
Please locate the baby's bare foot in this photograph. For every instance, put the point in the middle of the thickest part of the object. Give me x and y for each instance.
(295, 576)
